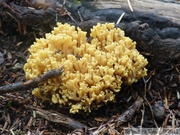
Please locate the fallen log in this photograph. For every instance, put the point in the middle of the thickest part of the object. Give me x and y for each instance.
(160, 8)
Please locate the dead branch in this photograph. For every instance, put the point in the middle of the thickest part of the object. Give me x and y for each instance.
(125, 117)
(128, 114)
(22, 86)
(57, 117)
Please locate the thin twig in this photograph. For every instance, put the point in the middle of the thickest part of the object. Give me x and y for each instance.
(22, 86)
(152, 114)
(142, 119)
(120, 18)
(130, 6)
(146, 81)
(80, 16)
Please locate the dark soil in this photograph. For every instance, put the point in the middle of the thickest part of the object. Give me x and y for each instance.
(20, 25)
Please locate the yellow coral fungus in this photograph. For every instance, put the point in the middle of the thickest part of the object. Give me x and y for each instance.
(93, 72)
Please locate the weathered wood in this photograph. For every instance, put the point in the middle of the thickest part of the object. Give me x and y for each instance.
(57, 117)
(164, 9)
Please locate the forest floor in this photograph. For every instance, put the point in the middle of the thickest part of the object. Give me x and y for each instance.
(23, 114)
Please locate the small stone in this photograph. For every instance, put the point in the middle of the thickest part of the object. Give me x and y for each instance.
(159, 111)
(1, 58)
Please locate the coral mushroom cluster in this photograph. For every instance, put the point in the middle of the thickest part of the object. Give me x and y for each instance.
(93, 72)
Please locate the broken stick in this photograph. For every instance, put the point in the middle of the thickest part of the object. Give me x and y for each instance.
(57, 117)
(22, 86)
